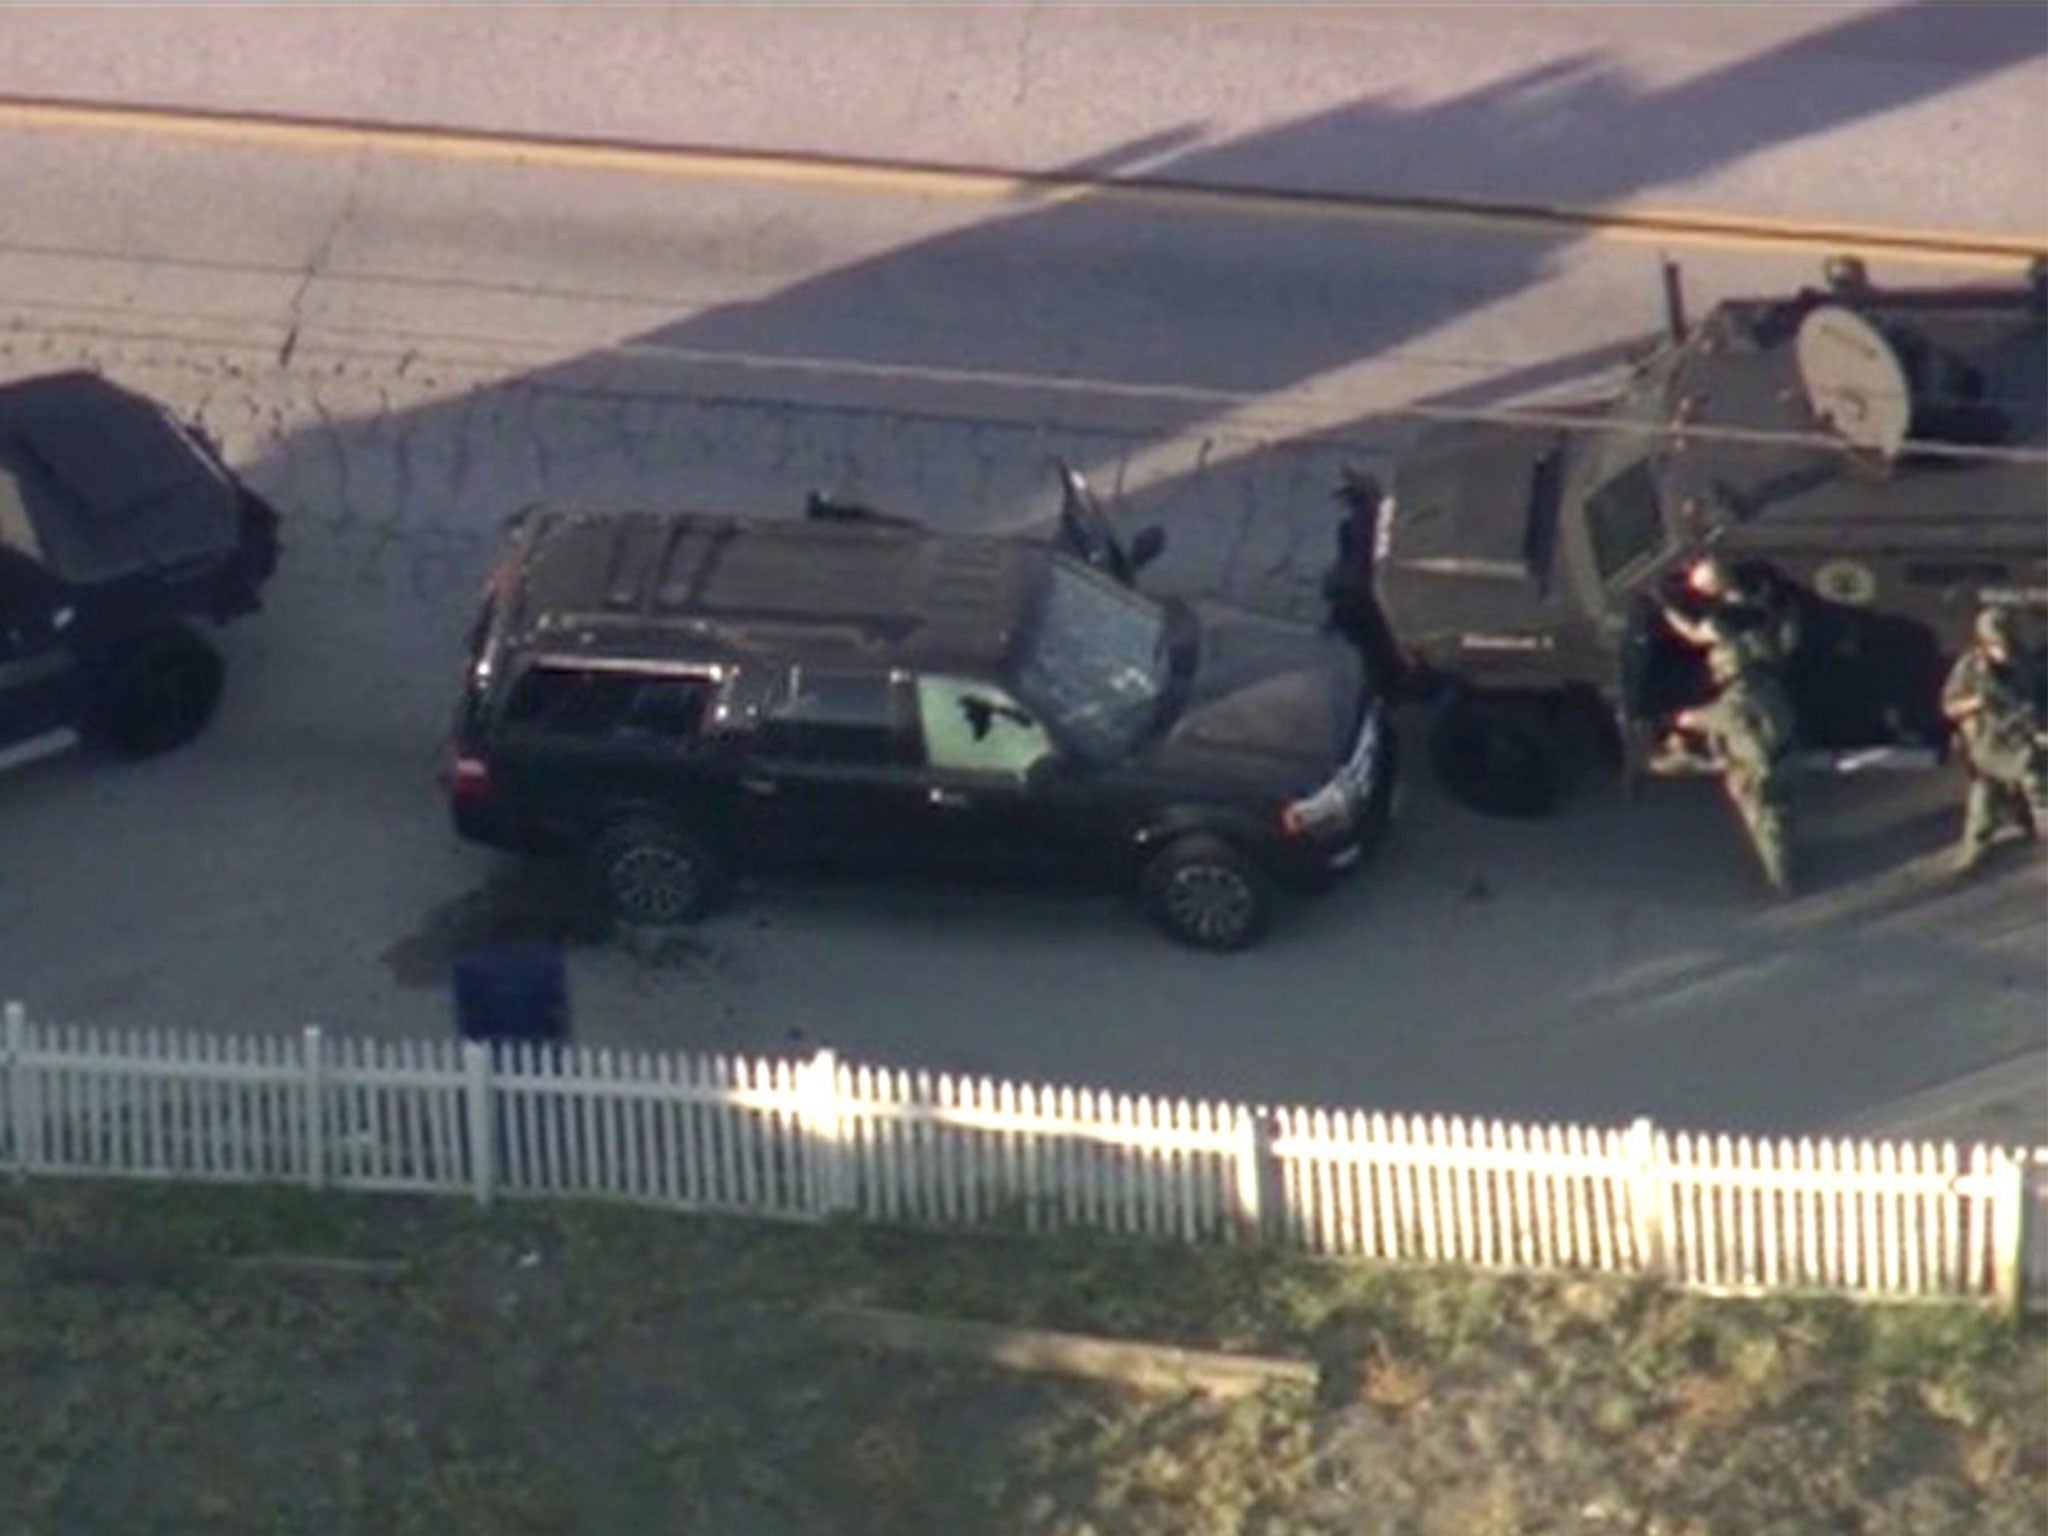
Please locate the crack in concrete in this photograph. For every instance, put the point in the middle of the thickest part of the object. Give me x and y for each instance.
(295, 310)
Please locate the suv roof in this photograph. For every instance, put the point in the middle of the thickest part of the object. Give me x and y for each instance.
(620, 584)
(98, 482)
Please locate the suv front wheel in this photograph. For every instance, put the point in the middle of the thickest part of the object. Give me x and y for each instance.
(654, 874)
(1207, 894)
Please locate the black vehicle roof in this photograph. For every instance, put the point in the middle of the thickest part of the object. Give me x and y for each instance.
(647, 584)
(104, 481)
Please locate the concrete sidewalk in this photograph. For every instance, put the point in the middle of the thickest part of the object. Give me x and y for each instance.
(2006, 1102)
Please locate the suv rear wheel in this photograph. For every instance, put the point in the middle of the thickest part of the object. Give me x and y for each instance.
(1206, 894)
(654, 874)
(155, 691)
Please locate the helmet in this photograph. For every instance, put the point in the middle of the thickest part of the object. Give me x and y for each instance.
(1994, 627)
(1708, 576)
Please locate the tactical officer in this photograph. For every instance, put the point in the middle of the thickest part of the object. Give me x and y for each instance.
(1747, 727)
(1996, 708)
(1747, 604)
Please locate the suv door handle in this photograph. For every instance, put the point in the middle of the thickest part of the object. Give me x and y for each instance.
(950, 799)
(754, 784)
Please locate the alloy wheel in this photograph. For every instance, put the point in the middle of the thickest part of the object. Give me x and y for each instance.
(1211, 903)
(652, 885)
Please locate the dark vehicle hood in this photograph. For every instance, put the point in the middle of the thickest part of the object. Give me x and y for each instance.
(1472, 548)
(106, 482)
(1269, 705)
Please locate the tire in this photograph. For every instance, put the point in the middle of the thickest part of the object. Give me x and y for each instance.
(654, 874)
(1499, 757)
(155, 692)
(1205, 894)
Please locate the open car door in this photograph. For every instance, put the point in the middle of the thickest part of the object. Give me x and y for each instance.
(1089, 536)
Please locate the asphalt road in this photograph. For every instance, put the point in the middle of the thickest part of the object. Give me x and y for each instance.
(403, 348)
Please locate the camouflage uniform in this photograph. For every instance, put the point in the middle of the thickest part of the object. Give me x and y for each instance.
(1748, 727)
(1748, 635)
(1995, 707)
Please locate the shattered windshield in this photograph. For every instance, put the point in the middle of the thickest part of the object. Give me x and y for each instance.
(1094, 663)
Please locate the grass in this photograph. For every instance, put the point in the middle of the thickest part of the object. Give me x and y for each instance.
(543, 1369)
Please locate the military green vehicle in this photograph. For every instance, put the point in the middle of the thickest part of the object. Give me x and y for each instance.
(1871, 462)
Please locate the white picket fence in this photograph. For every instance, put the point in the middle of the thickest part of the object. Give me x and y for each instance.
(816, 1138)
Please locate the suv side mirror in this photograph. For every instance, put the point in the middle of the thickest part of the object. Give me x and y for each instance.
(1146, 546)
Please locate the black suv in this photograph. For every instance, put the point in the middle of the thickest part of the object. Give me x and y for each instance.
(119, 525)
(675, 697)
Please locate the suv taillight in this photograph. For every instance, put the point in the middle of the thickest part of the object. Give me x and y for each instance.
(469, 779)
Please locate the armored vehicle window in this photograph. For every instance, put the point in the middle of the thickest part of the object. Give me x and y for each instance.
(578, 702)
(1624, 521)
(848, 718)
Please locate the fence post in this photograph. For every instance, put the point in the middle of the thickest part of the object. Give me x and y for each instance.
(313, 1105)
(21, 1097)
(478, 1092)
(1647, 1185)
(1258, 1175)
(825, 1182)
(2009, 1199)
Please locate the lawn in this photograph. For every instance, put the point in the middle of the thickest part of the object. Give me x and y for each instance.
(169, 1362)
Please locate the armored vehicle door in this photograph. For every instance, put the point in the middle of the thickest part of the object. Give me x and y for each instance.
(1635, 722)
(1658, 673)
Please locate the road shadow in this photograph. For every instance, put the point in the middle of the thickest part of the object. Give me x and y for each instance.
(1274, 302)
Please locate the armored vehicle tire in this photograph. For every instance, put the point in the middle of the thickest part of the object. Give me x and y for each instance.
(654, 874)
(1501, 757)
(155, 691)
(1205, 894)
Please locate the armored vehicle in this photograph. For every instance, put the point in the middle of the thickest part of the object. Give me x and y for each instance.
(120, 527)
(676, 698)
(1876, 460)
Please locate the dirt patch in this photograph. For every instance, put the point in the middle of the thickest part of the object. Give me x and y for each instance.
(526, 906)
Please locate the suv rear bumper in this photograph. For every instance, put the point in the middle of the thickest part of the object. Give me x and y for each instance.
(480, 821)
(1314, 864)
